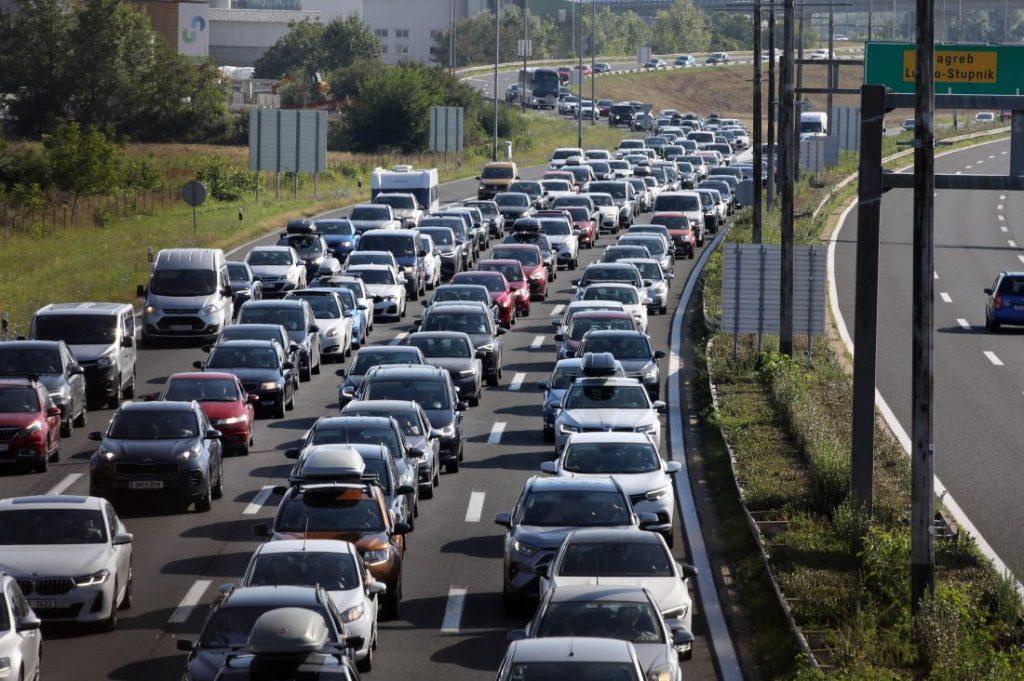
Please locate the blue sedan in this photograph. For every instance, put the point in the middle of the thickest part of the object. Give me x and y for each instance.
(339, 234)
(1004, 303)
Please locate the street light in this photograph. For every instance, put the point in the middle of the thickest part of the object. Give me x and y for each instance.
(497, 49)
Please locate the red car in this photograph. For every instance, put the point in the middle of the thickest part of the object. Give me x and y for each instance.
(585, 222)
(684, 238)
(502, 295)
(29, 424)
(592, 320)
(530, 258)
(516, 278)
(222, 399)
(564, 73)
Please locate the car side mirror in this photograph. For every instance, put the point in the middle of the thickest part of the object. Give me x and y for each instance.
(313, 328)
(647, 520)
(673, 466)
(96, 436)
(198, 364)
(417, 322)
(123, 539)
(185, 645)
(213, 434)
(376, 588)
(340, 372)
(549, 467)
(127, 342)
(660, 406)
(659, 354)
(74, 369)
(504, 519)
(500, 331)
(559, 337)
(292, 453)
(542, 570)
(401, 528)
(361, 307)
(404, 489)
(682, 642)
(988, 291)
(688, 571)
(515, 635)
(140, 291)
(252, 398)
(287, 365)
(261, 530)
(293, 347)
(422, 253)
(576, 282)
(29, 623)
(542, 385)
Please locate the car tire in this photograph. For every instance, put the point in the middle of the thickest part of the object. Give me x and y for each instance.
(663, 309)
(513, 604)
(290, 404)
(42, 464)
(305, 373)
(67, 427)
(392, 600)
(218, 490)
(474, 401)
(990, 325)
(129, 390)
(427, 490)
(82, 419)
(319, 364)
(492, 380)
(452, 466)
(549, 434)
(366, 664)
(115, 400)
(204, 504)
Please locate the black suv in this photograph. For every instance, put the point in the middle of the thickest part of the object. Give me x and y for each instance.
(262, 367)
(475, 322)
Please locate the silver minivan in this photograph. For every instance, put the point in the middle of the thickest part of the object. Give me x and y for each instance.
(101, 336)
(188, 296)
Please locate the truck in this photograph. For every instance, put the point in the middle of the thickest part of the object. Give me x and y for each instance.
(813, 124)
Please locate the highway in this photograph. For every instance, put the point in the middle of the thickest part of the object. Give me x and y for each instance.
(979, 376)
(180, 559)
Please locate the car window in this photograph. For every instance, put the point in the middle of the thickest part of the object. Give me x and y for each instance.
(359, 435)
(606, 397)
(52, 526)
(229, 626)
(621, 347)
(429, 394)
(574, 508)
(1012, 286)
(626, 621)
(154, 425)
(330, 512)
(611, 458)
(331, 571)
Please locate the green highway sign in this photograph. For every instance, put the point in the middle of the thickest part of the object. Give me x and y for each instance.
(959, 69)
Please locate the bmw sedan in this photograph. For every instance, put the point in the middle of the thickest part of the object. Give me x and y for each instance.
(607, 405)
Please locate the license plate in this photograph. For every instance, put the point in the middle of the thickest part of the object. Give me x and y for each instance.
(43, 603)
(181, 327)
(146, 484)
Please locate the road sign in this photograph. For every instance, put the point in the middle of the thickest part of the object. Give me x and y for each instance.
(287, 140)
(845, 124)
(959, 69)
(524, 48)
(643, 55)
(194, 193)
(446, 128)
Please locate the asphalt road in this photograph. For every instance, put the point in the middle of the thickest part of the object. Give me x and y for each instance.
(181, 558)
(979, 376)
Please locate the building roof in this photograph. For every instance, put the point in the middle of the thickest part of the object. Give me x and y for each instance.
(261, 16)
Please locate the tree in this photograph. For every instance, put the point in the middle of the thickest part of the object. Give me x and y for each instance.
(617, 32)
(310, 47)
(730, 31)
(680, 28)
(346, 41)
(82, 162)
(390, 111)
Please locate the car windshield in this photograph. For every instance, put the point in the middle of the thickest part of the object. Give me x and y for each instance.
(376, 276)
(370, 258)
(324, 306)
(366, 359)
(655, 247)
(619, 273)
(398, 244)
(305, 244)
(575, 508)
(401, 201)
(529, 188)
(492, 281)
(649, 270)
(677, 203)
(274, 258)
(562, 154)
(579, 327)
(227, 357)
(510, 272)
(487, 208)
(622, 294)
(152, 424)
(331, 512)
(444, 293)
(517, 200)
(76, 329)
(348, 300)
(353, 434)
(620, 252)
(611, 458)
(461, 321)
(238, 273)
(559, 671)
(1011, 286)
(370, 213)
(602, 200)
(441, 237)
(615, 559)
(201, 390)
(441, 347)
(183, 283)
(331, 571)
(556, 227)
(429, 394)
(563, 378)
(527, 257)
(557, 185)
(579, 214)
(622, 347)
(671, 221)
(408, 421)
(18, 399)
(40, 526)
(497, 173)
(607, 397)
(291, 318)
(335, 228)
(229, 626)
(626, 621)
(249, 332)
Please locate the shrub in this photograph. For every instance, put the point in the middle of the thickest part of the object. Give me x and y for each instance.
(223, 182)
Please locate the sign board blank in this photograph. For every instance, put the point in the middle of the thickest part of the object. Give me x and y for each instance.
(524, 48)
(644, 55)
(812, 155)
(446, 128)
(756, 270)
(287, 140)
(846, 126)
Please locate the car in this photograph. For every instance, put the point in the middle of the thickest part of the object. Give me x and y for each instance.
(713, 209)
(514, 205)
(819, 54)
(404, 207)
(503, 298)
(625, 557)
(722, 187)
(564, 73)
(311, 249)
(655, 63)
(527, 231)
(244, 282)
(585, 321)
(472, 233)
(339, 234)
(367, 216)
(584, 225)
(1004, 301)
(534, 189)
(387, 290)
(573, 657)
(491, 215)
(633, 350)
(656, 283)
(610, 404)
(606, 273)
(628, 613)
(364, 301)
(464, 251)
(368, 257)
(351, 308)
(558, 228)
(334, 324)
(271, 332)
(512, 93)
(644, 195)
(450, 252)
(620, 114)
(985, 117)
(70, 555)
(562, 376)
(548, 509)
(431, 262)
(368, 357)
(29, 425)
(479, 326)
(908, 125)
(262, 367)
(611, 215)
(296, 316)
(454, 352)
(101, 337)
(278, 269)
(423, 441)
(350, 511)
(21, 643)
(517, 280)
(617, 252)
(332, 565)
(495, 177)
(156, 447)
(226, 630)
(656, 245)
(684, 60)
(51, 364)
(631, 459)
(575, 307)
(223, 399)
(602, 67)
(450, 293)
(531, 259)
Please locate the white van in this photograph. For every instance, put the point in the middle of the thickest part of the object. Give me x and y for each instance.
(188, 296)
(405, 180)
(813, 124)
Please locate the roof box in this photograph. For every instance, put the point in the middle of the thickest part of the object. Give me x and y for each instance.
(288, 631)
(301, 226)
(331, 462)
(599, 364)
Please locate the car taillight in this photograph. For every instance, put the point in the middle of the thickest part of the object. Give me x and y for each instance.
(997, 302)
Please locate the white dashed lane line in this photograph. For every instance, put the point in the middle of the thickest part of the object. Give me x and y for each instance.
(1020, 257)
(189, 602)
(453, 610)
(1002, 197)
(517, 381)
(537, 343)
(945, 297)
(496, 430)
(992, 358)
(969, 166)
(999, 206)
(259, 500)
(557, 310)
(476, 507)
(964, 324)
(64, 484)
(398, 338)
(936, 274)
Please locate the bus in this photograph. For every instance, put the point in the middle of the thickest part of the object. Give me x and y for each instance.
(539, 87)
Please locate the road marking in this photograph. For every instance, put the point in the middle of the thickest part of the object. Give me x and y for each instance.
(453, 610)
(557, 310)
(1002, 197)
(959, 172)
(398, 338)
(1004, 228)
(979, 162)
(538, 341)
(517, 381)
(496, 430)
(259, 500)
(1003, 153)
(63, 485)
(998, 207)
(1020, 257)
(945, 297)
(968, 166)
(992, 358)
(1013, 244)
(189, 602)
(991, 155)
(964, 324)
(936, 274)
(1001, 218)
(476, 507)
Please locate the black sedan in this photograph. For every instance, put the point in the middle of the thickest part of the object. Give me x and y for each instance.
(263, 368)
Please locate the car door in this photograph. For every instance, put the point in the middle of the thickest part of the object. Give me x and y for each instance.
(122, 552)
(75, 377)
(30, 640)
(212, 445)
(126, 346)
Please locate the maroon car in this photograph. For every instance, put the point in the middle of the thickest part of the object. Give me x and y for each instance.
(529, 256)
(222, 399)
(29, 424)
(502, 295)
(516, 278)
(592, 320)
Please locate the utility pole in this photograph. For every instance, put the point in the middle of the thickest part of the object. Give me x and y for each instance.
(871, 15)
(1006, 25)
(579, 88)
(756, 236)
(526, 41)
(451, 38)
(798, 108)
(787, 130)
(922, 457)
(771, 104)
(831, 65)
(892, 29)
(497, 58)
(593, 61)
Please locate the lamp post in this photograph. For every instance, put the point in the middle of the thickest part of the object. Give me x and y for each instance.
(593, 61)
(497, 50)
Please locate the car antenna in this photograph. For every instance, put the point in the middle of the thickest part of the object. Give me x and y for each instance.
(571, 641)
(305, 535)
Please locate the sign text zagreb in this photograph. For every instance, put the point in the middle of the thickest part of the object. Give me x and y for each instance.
(959, 69)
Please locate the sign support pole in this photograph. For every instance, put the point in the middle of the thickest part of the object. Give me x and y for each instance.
(772, 104)
(756, 236)
(787, 162)
(259, 147)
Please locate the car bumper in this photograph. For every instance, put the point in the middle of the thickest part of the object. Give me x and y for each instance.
(450, 448)
(21, 452)
(387, 307)
(182, 326)
(79, 604)
(101, 382)
(664, 508)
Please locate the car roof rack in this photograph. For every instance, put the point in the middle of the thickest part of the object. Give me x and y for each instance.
(599, 364)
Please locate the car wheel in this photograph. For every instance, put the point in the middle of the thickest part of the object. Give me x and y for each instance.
(66, 427)
(218, 490)
(474, 401)
(115, 399)
(436, 481)
(426, 490)
(110, 623)
(203, 503)
(126, 602)
(319, 363)
(513, 604)
(129, 390)
(663, 309)
(991, 325)
(366, 664)
(392, 599)
(305, 373)
(290, 404)
(452, 466)
(492, 380)
(83, 418)
(549, 434)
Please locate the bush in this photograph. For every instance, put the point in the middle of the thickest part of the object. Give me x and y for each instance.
(223, 182)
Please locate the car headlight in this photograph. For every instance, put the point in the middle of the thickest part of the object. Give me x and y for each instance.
(650, 372)
(269, 385)
(648, 428)
(348, 390)
(211, 308)
(676, 613)
(231, 420)
(332, 332)
(662, 672)
(105, 455)
(93, 579)
(566, 428)
(686, 238)
(659, 493)
(152, 309)
(188, 454)
(353, 613)
(537, 276)
(489, 347)
(375, 556)
(447, 431)
(33, 427)
(104, 362)
(524, 548)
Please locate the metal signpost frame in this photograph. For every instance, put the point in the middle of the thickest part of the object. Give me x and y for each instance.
(287, 141)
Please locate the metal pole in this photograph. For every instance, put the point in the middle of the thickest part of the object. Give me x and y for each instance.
(959, 21)
(756, 236)
(526, 41)
(1006, 14)
(871, 16)
(451, 37)
(771, 104)
(892, 29)
(497, 56)
(593, 61)
(869, 196)
(922, 459)
(787, 130)
(797, 101)
(831, 65)
(579, 88)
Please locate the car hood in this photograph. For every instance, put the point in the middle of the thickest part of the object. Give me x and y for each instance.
(180, 302)
(633, 365)
(17, 420)
(559, 239)
(611, 210)
(221, 410)
(346, 599)
(335, 239)
(542, 537)
(652, 655)
(452, 364)
(514, 211)
(632, 483)
(439, 418)
(87, 353)
(54, 560)
(146, 450)
(668, 592)
(610, 419)
(262, 271)
(481, 339)
(391, 290)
